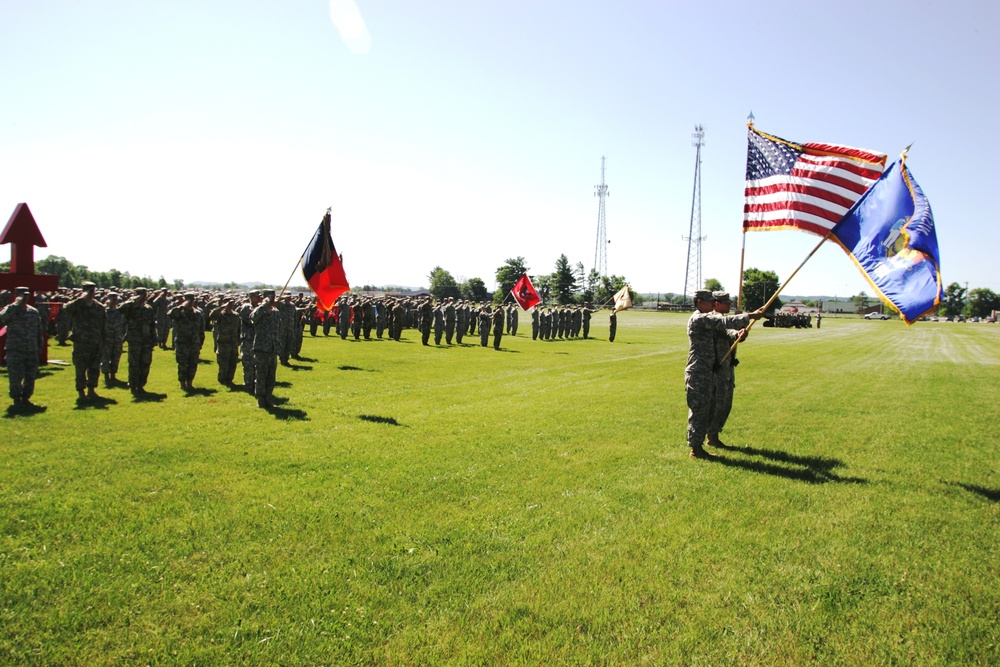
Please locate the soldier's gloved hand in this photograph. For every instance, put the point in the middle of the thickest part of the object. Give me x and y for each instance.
(742, 335)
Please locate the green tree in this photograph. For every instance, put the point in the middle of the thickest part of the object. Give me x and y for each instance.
(953, 302)
(982, 302)
(507, 275)
(714, 285)
(565, 280)
(544, 285)
(758, 286)
(860, 300)
(442, 284)
(474, 289)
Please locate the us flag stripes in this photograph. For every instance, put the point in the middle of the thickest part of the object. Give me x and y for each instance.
(806, 186)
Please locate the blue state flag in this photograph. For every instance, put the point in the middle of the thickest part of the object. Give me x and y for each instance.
(889, 233)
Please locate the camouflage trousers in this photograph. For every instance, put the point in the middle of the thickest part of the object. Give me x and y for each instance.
(227, 355)
(249, 365)
(140, 358)
(112, 357)
(725, 382)
(87, 361)
(22, 369)
(266, 365)
(700, 391)
(187, 360)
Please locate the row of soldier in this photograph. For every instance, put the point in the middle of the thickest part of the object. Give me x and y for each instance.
(99, 323)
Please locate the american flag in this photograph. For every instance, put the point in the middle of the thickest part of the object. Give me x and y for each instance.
(803, 186)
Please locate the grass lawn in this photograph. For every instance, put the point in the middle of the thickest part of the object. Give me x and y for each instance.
(410, 505)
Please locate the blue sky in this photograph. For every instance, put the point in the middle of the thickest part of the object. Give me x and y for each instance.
(205, 140)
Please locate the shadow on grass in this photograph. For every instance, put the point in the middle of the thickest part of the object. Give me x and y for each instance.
(308, 360)
(380, 420)
(299, 367)
(14, 412)
(990, 494)
(810, 469)
(287, 414)
(99, 403)
(148, 397)
(282, 384)
(48, 371)
(115, 384)
(503, 349)
(200, 391)
(356, 368)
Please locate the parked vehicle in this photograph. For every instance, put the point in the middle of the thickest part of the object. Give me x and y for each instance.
(876, 316)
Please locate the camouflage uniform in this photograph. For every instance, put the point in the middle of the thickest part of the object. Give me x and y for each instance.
(160, 305)
(141, 336)
(438, 324)
(246, 341)
(512, 317)
(498, 323)
(88, 320)
(426, 317)
(534, 323)
(613, 326)
(189, 336)
(227, 341)
(484, 326)
(287, 316)
(114, 337)
(449, 321)
(587, 312)
(265, 350)
(25, 337)
(700, 375)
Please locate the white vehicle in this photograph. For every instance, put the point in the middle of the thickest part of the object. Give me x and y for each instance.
(876, 316)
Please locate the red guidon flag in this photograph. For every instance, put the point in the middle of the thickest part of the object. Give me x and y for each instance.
(323, 268)
(524, 292)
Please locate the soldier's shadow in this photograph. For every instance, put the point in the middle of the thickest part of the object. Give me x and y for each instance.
(299, 367)
(809, 469)
(148, 397)
(13, 412)
(287, 414)
(200, 391)
(987, 493)
(100, 403)
(380, 420)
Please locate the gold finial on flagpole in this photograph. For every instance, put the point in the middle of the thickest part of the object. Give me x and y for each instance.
(750, 119)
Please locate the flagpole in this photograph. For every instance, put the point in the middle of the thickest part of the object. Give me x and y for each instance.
(297, 264)
(743, 249)
(780, 290)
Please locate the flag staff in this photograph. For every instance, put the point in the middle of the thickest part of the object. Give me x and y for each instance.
(294, 269)
(743, 250)
(781, 289)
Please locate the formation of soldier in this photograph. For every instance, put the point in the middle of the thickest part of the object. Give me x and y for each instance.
(787, 320)
(257, 329)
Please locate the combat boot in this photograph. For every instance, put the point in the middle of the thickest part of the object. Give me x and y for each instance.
(92, 394)
(713, 439)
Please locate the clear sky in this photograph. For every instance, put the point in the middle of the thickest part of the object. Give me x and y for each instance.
(204, 140)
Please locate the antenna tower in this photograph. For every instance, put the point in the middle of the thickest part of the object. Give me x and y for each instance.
(601, 249)
(692, 274)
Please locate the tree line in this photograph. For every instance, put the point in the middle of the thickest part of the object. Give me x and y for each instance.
(74, 275)
(567, 284)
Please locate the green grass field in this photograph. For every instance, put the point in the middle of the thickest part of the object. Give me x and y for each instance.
(429, 506)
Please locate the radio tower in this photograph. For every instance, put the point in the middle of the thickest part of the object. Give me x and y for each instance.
(601, 251)
(692, 274)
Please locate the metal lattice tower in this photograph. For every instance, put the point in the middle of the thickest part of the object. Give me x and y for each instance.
(601, 249)
(692, 274)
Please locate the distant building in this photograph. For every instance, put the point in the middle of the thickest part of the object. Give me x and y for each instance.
(839, 306)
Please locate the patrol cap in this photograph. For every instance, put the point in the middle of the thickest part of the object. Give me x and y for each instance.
(140, 291)
(267, 292)
(113, 295)
(704, 295)
(722, 297)
(87, 285)
(21, 291)
(253, 292)
(189, 295)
